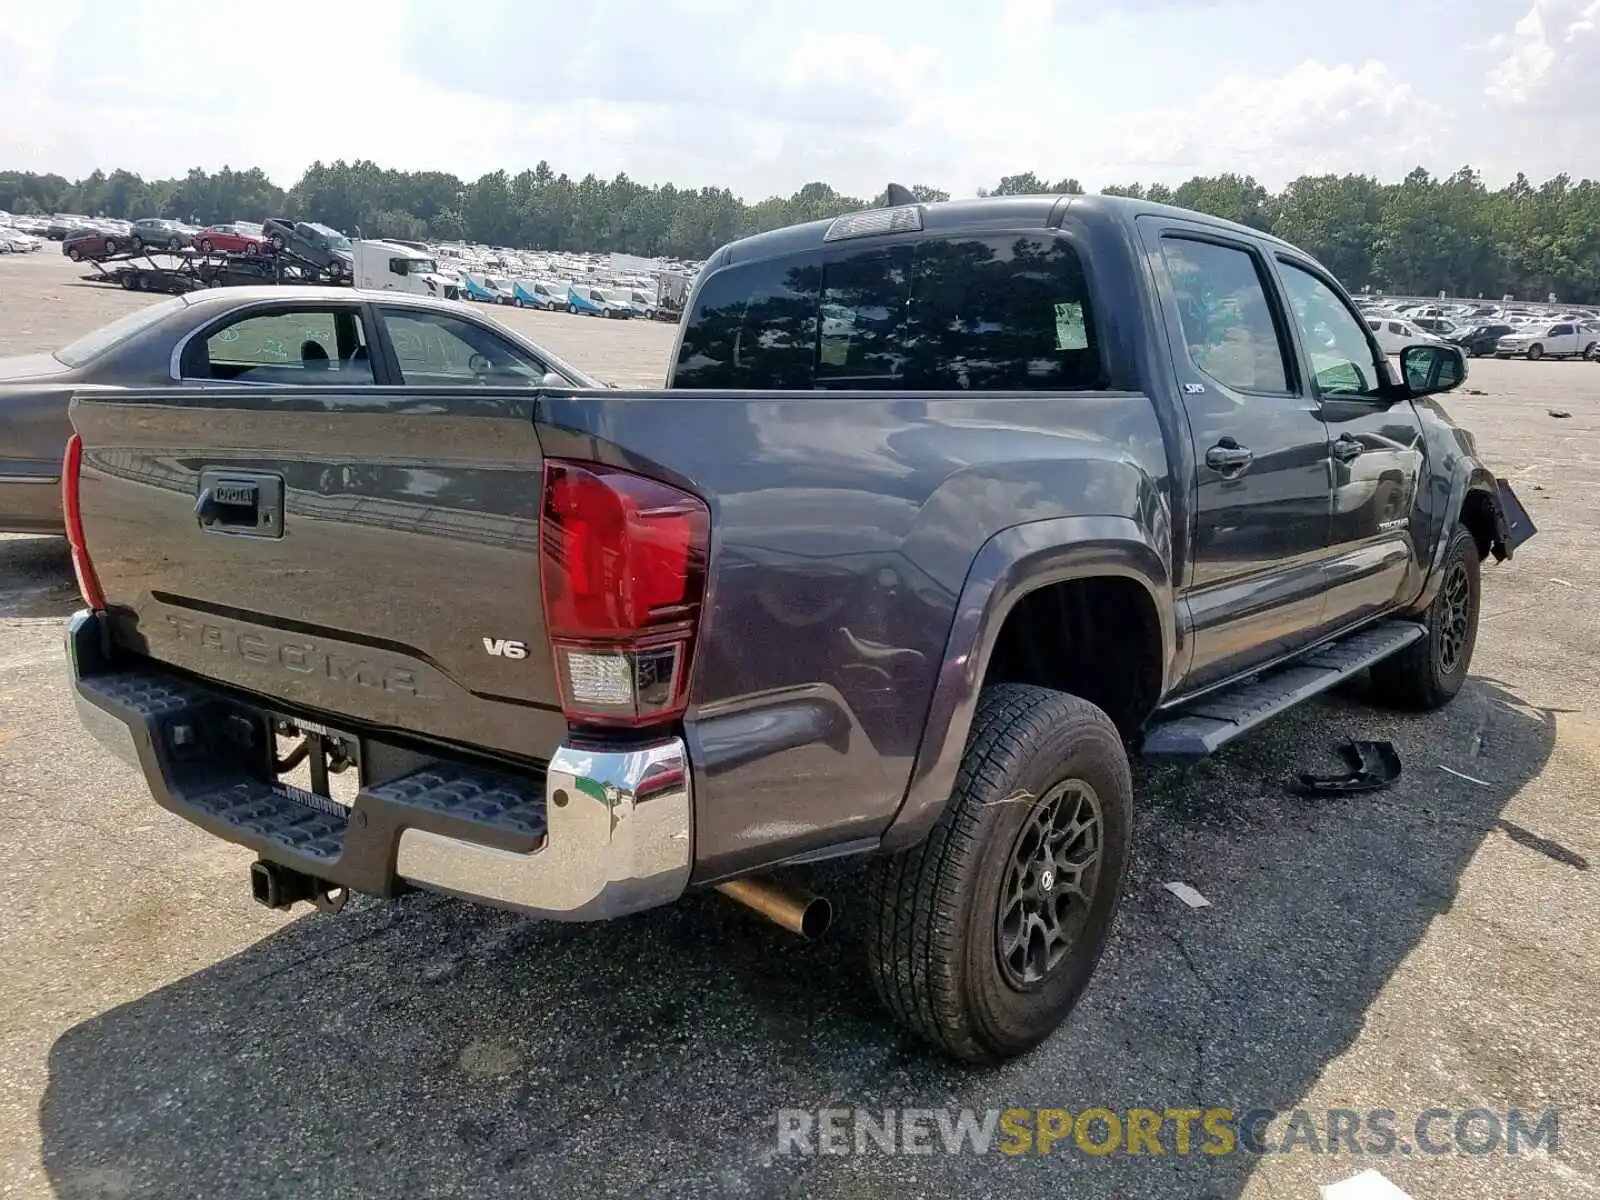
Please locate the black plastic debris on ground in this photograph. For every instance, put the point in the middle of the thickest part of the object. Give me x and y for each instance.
(1373, 767)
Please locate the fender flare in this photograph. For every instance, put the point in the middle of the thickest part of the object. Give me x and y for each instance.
(1475, 478)
(1008, 566)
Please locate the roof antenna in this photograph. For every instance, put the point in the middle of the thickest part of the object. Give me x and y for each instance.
(895, 194)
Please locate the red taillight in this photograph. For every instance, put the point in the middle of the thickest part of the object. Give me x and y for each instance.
(88, 583)
(622, 567)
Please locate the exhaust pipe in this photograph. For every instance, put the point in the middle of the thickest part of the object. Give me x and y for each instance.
(798, 912)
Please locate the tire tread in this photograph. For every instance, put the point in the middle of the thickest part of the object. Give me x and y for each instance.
(915, 929)
(1407, 680)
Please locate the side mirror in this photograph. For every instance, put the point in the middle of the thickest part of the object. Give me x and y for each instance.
(1431, 368)
(552, 380)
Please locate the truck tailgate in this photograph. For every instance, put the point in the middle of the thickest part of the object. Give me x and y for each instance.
(395, 584)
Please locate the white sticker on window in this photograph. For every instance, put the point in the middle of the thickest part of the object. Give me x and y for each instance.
(1070, 333)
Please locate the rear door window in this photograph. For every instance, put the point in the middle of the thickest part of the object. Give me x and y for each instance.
(1227, 319)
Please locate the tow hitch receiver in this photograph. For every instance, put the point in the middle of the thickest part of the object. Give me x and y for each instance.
(281, 887)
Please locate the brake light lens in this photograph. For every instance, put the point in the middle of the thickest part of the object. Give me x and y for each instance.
(88, 582)
(622, 569)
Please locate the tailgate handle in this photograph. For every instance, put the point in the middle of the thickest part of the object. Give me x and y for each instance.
(243, 505)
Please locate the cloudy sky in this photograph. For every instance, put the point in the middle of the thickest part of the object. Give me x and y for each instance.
(763, 98)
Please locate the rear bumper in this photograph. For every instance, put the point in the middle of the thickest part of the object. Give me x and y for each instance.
(597, 835)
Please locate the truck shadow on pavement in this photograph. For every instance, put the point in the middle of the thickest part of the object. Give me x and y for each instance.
(427, 1047)
(36, 577)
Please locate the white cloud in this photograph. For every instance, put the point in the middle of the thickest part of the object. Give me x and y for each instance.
(713, 92)
(1551, 59)
(1314, 118)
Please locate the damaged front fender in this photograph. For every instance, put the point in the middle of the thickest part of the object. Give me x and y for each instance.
(1512, 524)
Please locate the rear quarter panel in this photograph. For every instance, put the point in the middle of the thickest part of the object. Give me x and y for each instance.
(844, 526)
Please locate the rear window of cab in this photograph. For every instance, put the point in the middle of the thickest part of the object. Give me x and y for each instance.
(991, 312)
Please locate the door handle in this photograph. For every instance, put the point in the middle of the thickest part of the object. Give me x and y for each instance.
(1227, 458)
(1346, 448)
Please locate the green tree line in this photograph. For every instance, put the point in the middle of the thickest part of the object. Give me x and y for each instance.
(1418, 236)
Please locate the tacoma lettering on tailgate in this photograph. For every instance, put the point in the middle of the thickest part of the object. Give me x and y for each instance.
(294, 655)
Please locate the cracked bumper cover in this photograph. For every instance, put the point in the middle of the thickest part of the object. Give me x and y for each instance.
(597, 835)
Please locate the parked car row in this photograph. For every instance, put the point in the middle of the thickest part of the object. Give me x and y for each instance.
(612, 302)
(1556, 339)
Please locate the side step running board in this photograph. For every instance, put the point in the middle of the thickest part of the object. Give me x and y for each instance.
(1208, 724)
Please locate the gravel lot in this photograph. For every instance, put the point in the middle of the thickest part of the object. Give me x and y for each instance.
(1434, 945)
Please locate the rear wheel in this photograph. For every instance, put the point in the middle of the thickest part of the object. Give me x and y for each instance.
(74, 255)
(111, 245)
(1588, 351)
(982, 938)
(136, 243)
(205, 245)
(1428, 673)
(174, 243)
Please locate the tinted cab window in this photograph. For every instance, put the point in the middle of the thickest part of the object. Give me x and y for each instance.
(955, 313)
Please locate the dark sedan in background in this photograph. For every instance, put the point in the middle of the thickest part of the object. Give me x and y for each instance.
(1479, 340)
(270, 336)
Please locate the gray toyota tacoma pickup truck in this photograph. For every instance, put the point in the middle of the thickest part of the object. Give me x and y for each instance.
(945, 510)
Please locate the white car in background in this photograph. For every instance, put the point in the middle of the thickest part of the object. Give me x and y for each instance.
(1395, 334)
(14, 241)
(1564, 339)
